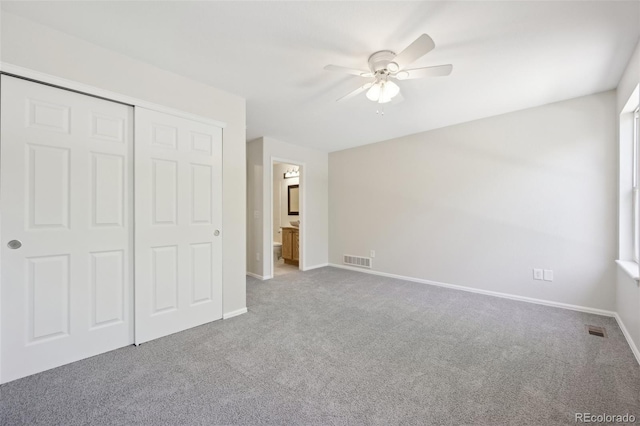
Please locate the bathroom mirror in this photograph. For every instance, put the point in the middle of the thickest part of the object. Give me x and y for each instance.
(294, 210)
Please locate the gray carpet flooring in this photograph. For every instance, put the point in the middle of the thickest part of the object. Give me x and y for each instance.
(338, 347)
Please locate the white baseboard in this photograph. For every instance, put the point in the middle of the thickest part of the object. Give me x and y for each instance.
(627, 336)
(322, 265)
(234, 313)
(485, 292)
(260, 277)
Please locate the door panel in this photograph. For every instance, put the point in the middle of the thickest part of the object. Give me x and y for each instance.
(201, 272)
(287, 244)
(48, 301)
(178, 208)
(107, 287)
(164, 187)
(107, 190)
(66, 184)
(164, 278)
(48, 180)
(296, 245)
(201, 192)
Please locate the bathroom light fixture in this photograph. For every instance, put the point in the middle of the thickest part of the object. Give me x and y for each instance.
(383, 91)
(293, 173)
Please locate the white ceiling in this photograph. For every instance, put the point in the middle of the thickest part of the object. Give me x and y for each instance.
(507, 55)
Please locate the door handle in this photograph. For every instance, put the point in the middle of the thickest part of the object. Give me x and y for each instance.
(216, 232)
(14, 244)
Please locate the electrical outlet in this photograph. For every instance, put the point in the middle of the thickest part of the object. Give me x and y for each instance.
(537, 274)
(256, 214)
(258, 256)
(372, 254)
(548, 275)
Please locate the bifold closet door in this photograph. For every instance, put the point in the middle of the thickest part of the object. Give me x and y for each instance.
(178, 211)
(66, 248)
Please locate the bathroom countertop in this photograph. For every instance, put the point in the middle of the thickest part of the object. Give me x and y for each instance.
(290, 227)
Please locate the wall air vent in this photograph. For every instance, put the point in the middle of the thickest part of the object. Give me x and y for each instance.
(361, 262)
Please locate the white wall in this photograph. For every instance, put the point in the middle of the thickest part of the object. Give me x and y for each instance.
(313, 199)
(482, 203)
(43, 49)
(629, 80)
(627, 289)
(628, 307)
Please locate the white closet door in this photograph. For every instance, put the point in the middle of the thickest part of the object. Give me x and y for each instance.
(178, 210)
(66, 182)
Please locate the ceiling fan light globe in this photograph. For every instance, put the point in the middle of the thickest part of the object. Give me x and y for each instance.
(391, 89)
(373, 94)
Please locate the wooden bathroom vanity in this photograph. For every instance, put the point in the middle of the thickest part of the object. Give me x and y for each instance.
(290, 245)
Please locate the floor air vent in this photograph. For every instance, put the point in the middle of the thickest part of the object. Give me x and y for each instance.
(362, 262)
(596, 331)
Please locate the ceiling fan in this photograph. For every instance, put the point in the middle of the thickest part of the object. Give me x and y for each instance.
(385, 66)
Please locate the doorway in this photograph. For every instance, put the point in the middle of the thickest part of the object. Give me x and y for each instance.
(286, 216)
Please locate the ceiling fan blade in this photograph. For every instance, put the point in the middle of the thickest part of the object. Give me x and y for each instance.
(355, 92)
(437, 71)
(359, 73)
(420, 47)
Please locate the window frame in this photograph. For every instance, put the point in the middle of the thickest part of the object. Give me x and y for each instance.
(636, 185)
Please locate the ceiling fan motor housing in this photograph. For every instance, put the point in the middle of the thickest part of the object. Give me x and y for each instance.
(379, 61)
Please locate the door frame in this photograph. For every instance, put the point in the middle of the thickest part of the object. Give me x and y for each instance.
(96, 92)
(301, 253)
